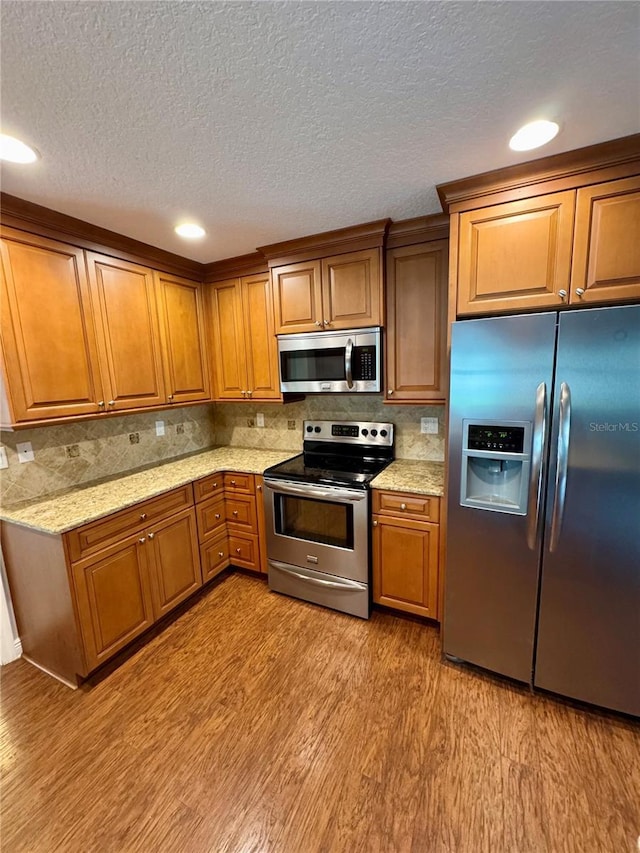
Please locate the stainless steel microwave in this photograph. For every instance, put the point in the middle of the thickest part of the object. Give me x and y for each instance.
(325, 362)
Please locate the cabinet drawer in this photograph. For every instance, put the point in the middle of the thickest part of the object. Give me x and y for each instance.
(210, 517)
(404, 504)
(240, 513)
(244, 550)
(99, 534)
(239, 483)
(208, 486)
(214, 556)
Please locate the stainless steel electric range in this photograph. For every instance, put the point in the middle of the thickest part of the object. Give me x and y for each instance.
(317, 508)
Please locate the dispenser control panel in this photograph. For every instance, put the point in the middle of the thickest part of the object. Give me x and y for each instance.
(505, 439)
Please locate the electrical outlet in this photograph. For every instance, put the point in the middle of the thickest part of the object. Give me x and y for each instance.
(291, 424)
(251, 422)
(4, 462)
(429, 426)
(260, 419)
(159, 427)
(25, 451)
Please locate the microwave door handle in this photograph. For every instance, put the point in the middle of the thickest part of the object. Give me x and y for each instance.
(348, 353)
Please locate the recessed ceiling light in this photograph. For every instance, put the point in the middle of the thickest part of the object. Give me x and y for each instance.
(190, 230)
(533, 135)
(15, 151)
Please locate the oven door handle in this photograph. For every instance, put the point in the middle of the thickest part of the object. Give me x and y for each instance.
(348, 368)
(342, 584)
(284, 488)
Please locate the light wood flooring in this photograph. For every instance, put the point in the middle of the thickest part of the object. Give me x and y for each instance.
(256, 723)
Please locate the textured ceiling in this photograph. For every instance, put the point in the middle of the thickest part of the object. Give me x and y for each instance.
(267, 121)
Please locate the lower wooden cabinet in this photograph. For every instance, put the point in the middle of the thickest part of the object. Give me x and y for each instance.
(172, 552)
(214, 555)
(405, 553)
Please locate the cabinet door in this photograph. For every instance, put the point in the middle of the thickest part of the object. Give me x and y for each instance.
(606, 259)
(261, 347)
(214, 556)
(240, 513)
(229, 358)
(516, 255)
(48, 335)
(405, 565)
(352, 290)
(297, 297)
(416, 351)
(124, 298)
(174, 561)
(114, 599)
(244, 550)
(184, 343)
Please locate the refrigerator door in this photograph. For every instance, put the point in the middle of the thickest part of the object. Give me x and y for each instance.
(501, 371)
(588, 643)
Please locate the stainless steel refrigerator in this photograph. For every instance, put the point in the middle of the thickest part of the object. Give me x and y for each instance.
(543, 531)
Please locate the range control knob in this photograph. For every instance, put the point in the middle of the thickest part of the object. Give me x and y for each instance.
(316, 429)
(309, 429)
(383, 433)
(374, 432)
(365, 431)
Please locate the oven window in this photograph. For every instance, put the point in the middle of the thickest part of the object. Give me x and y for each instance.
(320, 364)
(324, 522)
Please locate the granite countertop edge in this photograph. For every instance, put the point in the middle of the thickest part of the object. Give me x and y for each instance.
(58, 514)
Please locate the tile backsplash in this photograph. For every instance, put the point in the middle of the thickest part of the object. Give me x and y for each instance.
(72, 454)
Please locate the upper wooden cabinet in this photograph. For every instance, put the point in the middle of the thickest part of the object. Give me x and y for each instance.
(606, 252)
(183, 336)
(338, 292)
(124, 299)
(48, 335)
(245, 358)
(416, 350)
(516, 254)
(560, 231)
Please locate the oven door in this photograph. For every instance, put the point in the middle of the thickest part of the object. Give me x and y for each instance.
(323, 528)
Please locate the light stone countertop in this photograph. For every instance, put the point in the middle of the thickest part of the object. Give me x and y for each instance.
(60, 513)
(412, 475)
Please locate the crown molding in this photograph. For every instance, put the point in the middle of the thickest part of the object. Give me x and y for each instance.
(616, 158)
(251, 264)
(36, 219)
(421, 229)
(369, 235)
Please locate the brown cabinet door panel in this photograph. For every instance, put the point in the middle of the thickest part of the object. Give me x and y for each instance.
(297, 297)
(606, 263)
(238, 483)
(49, 342)
(175, 561)
(211, 517)
(352, 290)
(405, 566)
(263, 378)
(207, 487)
(405, 504)
(229, 360)
(114, 599)
(516, 255)
(240, 513)
(214, 556)
(416, 345)
(124, 297)
(184, 342)
(244, 550)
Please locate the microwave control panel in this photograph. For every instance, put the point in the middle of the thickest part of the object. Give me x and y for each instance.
(366, 362)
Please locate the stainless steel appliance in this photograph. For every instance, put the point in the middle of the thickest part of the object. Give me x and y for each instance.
(317, 509)
(321, 362)
(543, 541)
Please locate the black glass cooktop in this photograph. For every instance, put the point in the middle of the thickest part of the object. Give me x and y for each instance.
(329, 469)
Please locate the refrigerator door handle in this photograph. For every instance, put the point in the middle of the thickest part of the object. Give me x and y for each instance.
(564, 428)
(535, 481)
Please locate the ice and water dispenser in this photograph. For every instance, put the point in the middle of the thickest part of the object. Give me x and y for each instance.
(495, 465)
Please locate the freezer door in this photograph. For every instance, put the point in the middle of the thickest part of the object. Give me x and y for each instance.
(588, 644)
(501, 369)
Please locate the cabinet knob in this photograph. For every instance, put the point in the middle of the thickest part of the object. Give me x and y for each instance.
(220, 553)
(214, 485)
(580, 291)
(249, 393)
(233, 482)
(143, 515)
(326, 323)
(238, 550)
(403, 506)
(562, 294)
(150, 535)
(217, 515)
(258, 488)
(141, 540)
(375, 523)
(112, 403)
(235, 513)
(318, 323)
(170, 397)
(390, 392)
(101, 403)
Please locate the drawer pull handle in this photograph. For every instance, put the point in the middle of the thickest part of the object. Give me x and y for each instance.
(151, 535)
(220, 553)
(235, 513)
(217, 515)
(112, 402)
(143, 515)
(141, 540)
(233, 482)
(403, 506)
(238, 550)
